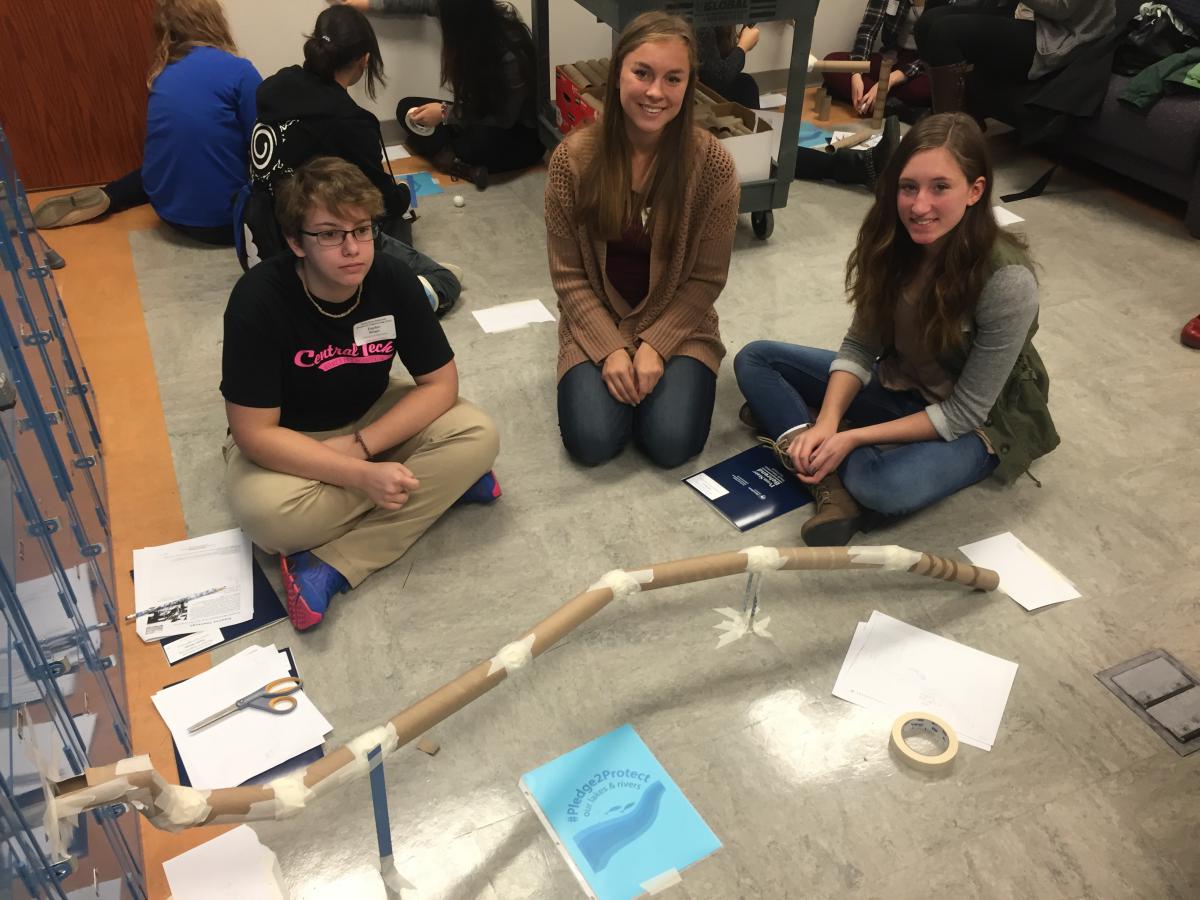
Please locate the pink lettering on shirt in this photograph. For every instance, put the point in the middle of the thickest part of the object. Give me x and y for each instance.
(331, 357)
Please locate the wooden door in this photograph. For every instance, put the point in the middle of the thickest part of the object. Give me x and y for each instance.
(73, 87)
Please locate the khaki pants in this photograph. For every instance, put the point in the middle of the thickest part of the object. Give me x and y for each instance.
(285, 514)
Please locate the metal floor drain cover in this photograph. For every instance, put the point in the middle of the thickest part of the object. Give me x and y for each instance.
(1164, 694)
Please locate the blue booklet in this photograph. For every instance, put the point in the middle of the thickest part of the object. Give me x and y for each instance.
(617, 817)
(750, 488)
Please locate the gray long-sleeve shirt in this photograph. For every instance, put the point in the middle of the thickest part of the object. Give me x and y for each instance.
(1002, 318)
(1063, 25)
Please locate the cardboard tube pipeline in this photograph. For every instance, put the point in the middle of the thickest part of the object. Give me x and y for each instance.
(134, 780)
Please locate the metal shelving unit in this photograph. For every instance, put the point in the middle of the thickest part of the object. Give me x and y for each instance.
(61, 692)
(759, 198)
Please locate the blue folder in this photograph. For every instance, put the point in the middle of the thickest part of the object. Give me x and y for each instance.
(617, 816)
(750, 488)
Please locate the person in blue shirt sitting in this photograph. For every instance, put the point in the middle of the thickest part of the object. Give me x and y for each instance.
(198, 122)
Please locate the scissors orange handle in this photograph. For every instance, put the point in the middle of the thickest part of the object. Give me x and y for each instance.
(276, 696)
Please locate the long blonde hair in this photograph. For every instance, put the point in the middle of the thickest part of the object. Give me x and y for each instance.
(606, 189)
(182, 25)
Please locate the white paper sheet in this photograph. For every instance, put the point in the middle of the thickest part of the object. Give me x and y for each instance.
(234, 865)
(187, 567)
(894, 666)
(1004, 217)
(707, 485)
(1024, 575)
(248, 742)
(193, 643)
(766, 101)
(510, 316)
(396, 152)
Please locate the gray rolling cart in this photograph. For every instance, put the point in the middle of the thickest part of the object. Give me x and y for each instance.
(759, 198)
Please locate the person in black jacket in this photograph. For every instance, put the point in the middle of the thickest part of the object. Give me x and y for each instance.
(722, 51)
(488, 63)
(307, 111)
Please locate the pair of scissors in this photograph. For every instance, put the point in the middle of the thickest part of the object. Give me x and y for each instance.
(273, 698)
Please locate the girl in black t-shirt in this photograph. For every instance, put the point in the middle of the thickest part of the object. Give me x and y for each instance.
(330, 463)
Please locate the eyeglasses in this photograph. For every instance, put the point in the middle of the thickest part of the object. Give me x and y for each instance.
(335, 237)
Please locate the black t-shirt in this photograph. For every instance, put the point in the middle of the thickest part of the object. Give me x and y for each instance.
(281, 352)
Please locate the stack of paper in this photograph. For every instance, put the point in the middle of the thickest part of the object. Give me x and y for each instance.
(234, 865)
(898, 668)
(161, 574)
(1024, 575)
(248, 742)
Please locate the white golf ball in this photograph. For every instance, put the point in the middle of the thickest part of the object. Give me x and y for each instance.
(460, 200)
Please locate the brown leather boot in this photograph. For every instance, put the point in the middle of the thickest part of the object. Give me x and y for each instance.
(949, 86)
(837, 518)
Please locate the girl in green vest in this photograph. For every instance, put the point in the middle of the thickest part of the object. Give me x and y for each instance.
(936, 384)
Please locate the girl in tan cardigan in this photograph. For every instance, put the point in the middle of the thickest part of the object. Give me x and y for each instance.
(640, 215)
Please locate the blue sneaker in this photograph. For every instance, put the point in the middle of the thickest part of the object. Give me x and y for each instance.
(485, 490)
(310, 585)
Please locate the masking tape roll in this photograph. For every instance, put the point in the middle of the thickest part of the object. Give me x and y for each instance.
(915, 723)
(416, 127)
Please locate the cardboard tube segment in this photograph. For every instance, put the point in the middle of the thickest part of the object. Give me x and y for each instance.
(939, 730)
(851, 141)
(172, 808)
(862, 66)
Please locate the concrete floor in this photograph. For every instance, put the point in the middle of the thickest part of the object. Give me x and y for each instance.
(1078, 798)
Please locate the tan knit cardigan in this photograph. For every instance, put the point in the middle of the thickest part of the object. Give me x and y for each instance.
(687, 270)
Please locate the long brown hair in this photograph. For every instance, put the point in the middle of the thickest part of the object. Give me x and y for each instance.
(182, 25)
(885, 258)
(726, 36)
(476, 36)
(606, 203)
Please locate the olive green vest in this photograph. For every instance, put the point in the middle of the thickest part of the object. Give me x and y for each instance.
(1019, 426)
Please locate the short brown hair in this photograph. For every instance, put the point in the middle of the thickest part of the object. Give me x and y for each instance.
(324, 181)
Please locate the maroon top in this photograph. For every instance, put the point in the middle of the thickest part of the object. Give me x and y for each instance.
(627, 263)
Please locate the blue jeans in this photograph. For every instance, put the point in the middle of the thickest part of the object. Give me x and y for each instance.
(781, 381)
(670, 425)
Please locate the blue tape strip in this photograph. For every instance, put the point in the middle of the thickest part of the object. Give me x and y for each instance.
(383, 825)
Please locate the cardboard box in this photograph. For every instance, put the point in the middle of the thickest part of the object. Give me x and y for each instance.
(576, 98)
(751, 152)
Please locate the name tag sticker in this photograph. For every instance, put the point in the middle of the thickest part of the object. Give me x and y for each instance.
(382, 328)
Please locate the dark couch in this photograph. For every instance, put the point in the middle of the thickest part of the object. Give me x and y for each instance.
(1160, 148)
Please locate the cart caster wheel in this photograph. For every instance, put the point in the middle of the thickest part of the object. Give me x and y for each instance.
(763, 224)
